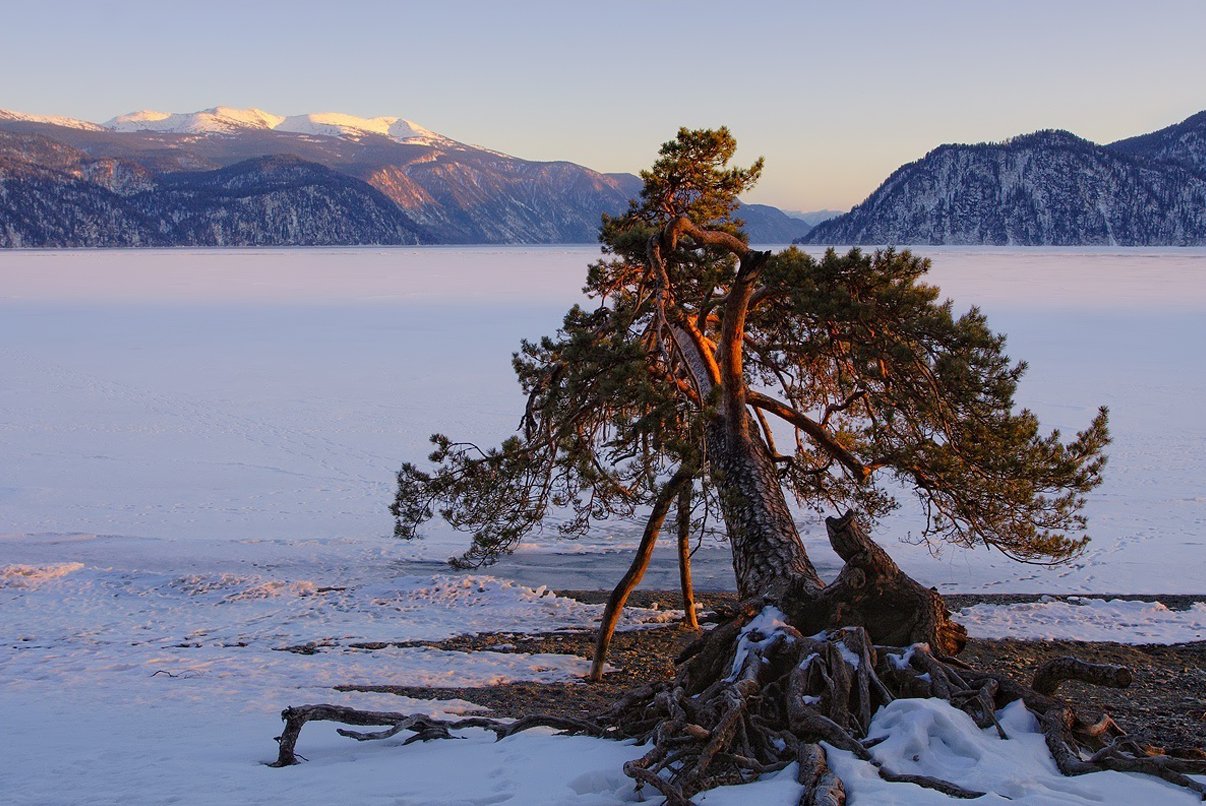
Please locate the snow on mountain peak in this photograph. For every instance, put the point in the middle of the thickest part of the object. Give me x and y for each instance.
(218, 120)
(54, 120)
(337, 124)
(232, 120)
(228, 120)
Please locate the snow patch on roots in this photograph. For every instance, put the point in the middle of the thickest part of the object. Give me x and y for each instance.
(930, 737)
(762, 631)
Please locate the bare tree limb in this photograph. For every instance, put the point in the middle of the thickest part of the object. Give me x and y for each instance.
(813, 429)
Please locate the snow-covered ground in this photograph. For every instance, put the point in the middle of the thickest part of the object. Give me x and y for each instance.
(196, 450)
(128, 674)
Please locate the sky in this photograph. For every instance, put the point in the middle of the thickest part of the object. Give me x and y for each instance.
(835, 95)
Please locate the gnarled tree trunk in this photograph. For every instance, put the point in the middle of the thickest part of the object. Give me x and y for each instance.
(769, 558)
(771, 564)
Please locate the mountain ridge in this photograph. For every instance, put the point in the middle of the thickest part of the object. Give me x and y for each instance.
(267, 201)
(448, 191)
(1049, 187)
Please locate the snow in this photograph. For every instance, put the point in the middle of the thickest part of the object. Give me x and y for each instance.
(146, 666)
(901, 661)
(848, 655)
(336, 124)
(31, 576)
(199, 446)
(758, 634)
(218, 120)
(228, 120)
(1082, 619)
(53, 120)
(929, 737)
(136, 668)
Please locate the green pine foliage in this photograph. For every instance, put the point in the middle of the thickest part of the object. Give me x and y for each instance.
(895, 388)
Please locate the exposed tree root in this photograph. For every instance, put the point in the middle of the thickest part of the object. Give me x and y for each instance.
(754, 695)
(423, 727)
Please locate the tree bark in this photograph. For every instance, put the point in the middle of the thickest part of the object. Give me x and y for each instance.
(770, 560)
(768, 556)
(872, 592)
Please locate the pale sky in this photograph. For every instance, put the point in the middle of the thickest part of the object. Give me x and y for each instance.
(835, 95)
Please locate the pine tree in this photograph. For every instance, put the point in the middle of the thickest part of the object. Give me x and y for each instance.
(736, 379)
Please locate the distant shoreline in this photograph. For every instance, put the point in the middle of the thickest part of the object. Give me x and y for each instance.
(956, 601)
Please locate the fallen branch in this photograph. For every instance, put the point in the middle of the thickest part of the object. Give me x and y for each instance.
(1055, 671)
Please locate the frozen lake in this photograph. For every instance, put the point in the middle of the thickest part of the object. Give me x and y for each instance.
(196, 453)
(190, 398)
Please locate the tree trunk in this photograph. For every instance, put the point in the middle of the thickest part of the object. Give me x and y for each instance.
(684, 559)
(873, 593)
(771, 563)
(768, 557)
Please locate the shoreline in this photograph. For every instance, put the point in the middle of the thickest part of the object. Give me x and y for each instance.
(642, 597)
(1164, 706)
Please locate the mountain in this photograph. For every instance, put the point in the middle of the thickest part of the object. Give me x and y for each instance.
(813, 217)
(227, 120)
(8, 116)
(68, 199)
(441, 190)
(1046, 188)
(1182, 144)
(770, 225)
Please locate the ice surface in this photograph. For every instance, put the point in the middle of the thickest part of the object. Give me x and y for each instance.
(271, 394)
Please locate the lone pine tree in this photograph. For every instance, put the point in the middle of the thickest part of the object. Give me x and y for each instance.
(719, 381)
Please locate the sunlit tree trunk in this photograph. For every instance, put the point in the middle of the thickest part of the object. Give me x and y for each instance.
(768, 557)
(690, 620)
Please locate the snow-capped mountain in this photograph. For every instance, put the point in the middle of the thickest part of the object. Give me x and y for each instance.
(335, 124)
(219, 120)
(232, 176)
(9, 116)
(226, 120)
